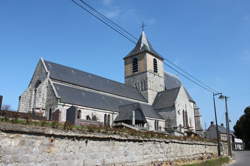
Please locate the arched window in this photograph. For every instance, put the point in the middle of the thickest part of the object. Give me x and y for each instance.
(135, 65)
(94, 118)
(50, 114)
(108, 120)
(185, 119)
(88, 117)
(105, 119)
(155, 66)
(36, 96)
(156, 125)
(79, 114)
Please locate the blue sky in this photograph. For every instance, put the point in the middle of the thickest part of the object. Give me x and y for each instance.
(208, 38)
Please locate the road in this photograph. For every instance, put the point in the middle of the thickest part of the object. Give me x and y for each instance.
(242, 158)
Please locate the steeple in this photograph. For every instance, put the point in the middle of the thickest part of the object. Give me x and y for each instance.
(144, 69)
(143, 45)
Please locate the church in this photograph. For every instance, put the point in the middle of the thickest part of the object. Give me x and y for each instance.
(150, 99)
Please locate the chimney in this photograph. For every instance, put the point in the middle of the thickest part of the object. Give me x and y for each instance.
(1, 100)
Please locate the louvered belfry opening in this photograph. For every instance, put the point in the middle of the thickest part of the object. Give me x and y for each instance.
(135, 65)
(155, 66)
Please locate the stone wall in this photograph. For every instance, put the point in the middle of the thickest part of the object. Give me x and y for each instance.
(34, 97)
(183, 104)
(28, 146)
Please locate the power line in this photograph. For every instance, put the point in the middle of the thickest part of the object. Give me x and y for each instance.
(190, 75)
(81, 6)
(122, 31)
(190, 79)
(106, 18)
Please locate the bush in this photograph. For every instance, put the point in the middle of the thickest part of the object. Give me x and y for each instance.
(54, 124)
(67, 126)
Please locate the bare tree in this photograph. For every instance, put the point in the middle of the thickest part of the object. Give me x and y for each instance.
(6, 108)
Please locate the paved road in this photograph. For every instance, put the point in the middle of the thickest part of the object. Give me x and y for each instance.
(242, 158)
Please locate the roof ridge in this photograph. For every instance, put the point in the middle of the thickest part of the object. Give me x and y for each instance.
(91, 74)
(88, 80)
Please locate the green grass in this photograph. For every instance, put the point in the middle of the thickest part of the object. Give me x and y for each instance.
(213, 162)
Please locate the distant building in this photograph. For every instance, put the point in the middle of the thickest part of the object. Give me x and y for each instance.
(150, 98)
(211, 132)
(238, 144)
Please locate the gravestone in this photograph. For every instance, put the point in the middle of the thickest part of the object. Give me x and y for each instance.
(71, 115)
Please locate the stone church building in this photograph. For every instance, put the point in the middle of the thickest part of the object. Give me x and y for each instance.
(150, 99)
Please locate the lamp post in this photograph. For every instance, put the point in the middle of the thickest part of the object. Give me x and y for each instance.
(216, 123)
(227, 123)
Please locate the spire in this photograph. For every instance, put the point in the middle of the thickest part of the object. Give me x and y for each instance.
(143, 45)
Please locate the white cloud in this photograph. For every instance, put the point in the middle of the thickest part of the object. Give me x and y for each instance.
(112, 13)
(107, 2)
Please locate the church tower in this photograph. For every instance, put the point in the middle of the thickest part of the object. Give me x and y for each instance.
(144, 69)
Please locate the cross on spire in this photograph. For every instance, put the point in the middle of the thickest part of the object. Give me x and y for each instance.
(143, 26)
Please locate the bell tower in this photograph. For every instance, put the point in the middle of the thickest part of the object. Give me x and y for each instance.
(144, 69)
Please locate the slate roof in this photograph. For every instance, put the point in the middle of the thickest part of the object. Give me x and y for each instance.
(84, 79)
(149, 111)
(86, 98)
(172, 81)
(222, 129)
(143, 45)
(126, 113)
(166, 98)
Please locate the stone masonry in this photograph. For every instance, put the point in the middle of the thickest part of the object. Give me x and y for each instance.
(28, 146)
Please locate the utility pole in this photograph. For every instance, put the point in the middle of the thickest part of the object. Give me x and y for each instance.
(216, 123)
(228, 126)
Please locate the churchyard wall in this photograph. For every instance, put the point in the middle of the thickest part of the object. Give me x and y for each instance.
(23, 145)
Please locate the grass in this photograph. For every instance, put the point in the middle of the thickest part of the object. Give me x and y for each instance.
(214, 162)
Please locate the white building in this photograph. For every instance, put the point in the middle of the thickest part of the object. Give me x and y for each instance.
(150, 97)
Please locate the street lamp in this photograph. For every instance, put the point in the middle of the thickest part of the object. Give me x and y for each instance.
(227, 123)
(216, 123)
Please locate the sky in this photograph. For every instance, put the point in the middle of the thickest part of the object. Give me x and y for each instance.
(208, 38)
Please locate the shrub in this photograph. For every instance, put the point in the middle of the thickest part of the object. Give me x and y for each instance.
(67, 126)
(54, 124)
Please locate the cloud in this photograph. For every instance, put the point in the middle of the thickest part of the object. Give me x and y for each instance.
(107, 2)
(124, 16)
(113, 13)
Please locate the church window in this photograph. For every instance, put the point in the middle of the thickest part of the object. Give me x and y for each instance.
(142, 86)
(50, 114)
(105, 119)
(135, 65)
(109, 120)
(88, 117)
(155, 66)
(79, 114)
(94, 118)
(156, 125)
(185, 119)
